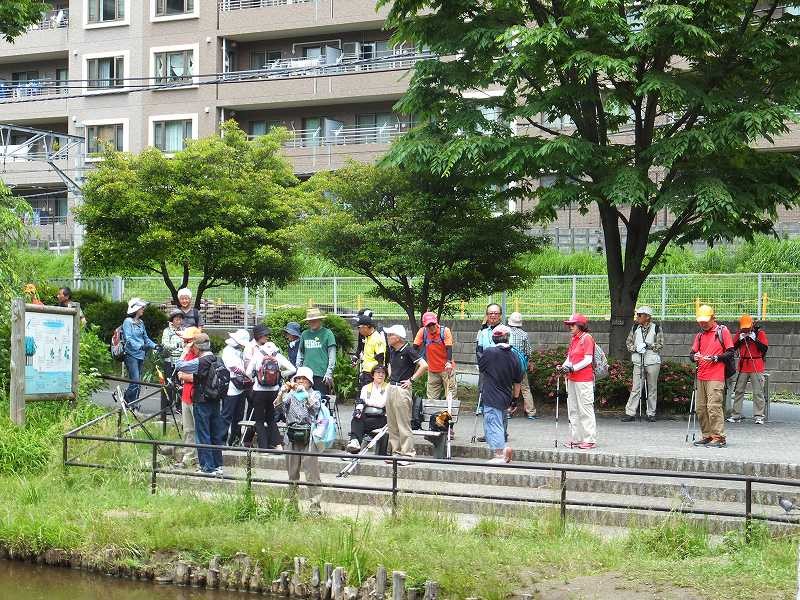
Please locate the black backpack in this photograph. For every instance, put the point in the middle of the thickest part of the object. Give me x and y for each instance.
(215, 387)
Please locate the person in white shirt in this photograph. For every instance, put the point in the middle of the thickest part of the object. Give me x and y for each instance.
(369, 413)
(268, 368)
(233, 405)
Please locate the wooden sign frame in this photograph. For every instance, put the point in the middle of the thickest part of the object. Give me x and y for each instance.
(18, 358)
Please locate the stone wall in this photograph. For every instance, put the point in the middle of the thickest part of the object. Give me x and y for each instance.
(783, 359)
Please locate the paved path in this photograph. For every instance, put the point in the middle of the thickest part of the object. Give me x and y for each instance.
(773, 442)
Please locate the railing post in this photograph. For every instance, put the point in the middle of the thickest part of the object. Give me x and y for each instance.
(246, 306)
(394, 486)
(758, 299)
(335, 295)
(766, 397)
(663, 297)
(64, 451)
(574, 293)
(563, 496)
(153, 469)
(249, 471)
(748, 509)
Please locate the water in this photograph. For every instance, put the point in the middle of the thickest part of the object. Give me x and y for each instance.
(22, 581)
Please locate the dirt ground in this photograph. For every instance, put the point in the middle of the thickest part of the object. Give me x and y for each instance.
(608, 586)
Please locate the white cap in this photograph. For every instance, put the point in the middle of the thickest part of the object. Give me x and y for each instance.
(304, 372)
(184, 292)
(240, 337)
(135, 304)
(515, 319)
(397, 330)
(644, 310)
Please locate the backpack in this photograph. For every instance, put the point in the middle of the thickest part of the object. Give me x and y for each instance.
(118, 344)
(269, 372)
(216, 384)
(523, 360)
(600, 363)
(324, 431)
(730, 363)
(427, 340)
(417, 411)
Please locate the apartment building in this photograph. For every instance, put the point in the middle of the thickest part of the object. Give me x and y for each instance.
(324, 69)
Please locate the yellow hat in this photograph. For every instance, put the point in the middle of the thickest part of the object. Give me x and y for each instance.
(745, 321)
(704, 313)
(190, 333)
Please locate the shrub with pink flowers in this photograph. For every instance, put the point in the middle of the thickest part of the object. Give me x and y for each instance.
(675, 382)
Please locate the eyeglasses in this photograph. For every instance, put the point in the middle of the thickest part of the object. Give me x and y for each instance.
(493, 313)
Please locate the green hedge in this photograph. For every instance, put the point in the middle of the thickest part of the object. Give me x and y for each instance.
(675, 382)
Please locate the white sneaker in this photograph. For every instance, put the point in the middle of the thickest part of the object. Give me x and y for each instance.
(758, 420)
(218, 472)
(353, 446)
(497, 460)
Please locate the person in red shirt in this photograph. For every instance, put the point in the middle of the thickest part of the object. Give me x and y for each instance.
(752, 344)
(579, 373)
(187, 414)
(711, 348)
(434, 342)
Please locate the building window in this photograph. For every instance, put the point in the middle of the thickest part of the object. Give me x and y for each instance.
(24, 76)
(106, 72)
(169, 8)
(169, 136)
(98, 137)
(377, 127)
(263, 59)
(103, 11)
(370, 50)
(173, 66)
(62, 75)
(262, 127)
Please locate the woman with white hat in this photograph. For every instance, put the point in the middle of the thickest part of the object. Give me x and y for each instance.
(268, 367)
(137, 343)
(233, 405)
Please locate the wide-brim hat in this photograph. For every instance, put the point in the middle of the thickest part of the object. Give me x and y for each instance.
(365, 320)
(305, 372)
(190, 333)
(240, 337)
(314, 314)
(175, 312)
(261, 330)
(293, 328)
(135, 304)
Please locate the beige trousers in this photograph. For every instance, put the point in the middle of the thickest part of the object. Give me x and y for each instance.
(580, 408)
(757, 384)
(310, 466)
(187, 420)
(525, 392)
(651, 372)
(441, 383)
(709, 408)
(398, 419)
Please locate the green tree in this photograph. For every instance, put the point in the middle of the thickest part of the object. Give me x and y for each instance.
(665, 102)
(426, 241)
(224, 208)
(17, 15)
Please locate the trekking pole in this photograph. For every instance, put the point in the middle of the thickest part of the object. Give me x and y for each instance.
(644, 387)
(558, 395)
(351, 466)
(474, 437)
(692, 411)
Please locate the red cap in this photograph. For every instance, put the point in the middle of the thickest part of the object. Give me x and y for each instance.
(577, 319)
(429, 318)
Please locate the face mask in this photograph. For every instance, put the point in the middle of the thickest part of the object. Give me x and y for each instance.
(301, 394)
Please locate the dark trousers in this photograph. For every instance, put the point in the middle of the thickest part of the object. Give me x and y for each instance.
(134, 367)
(264, 416)
(232, 413)
(320, 386)
(209, 428)
(366, 424)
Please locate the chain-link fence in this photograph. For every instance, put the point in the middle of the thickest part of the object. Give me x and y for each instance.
(766, 295)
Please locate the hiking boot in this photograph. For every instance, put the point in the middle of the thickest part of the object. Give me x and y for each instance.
(718, 443)
(628, 418)
(735, 419)
(703, 441)
(651, 418)
(758, 420)
(532, 417)
(482, 438)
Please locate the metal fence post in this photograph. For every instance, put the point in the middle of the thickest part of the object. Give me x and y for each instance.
(563, 496)
(663, 297)
(766, 397)
(394, 487)
(748, 509)
(153, 469)
(758, 299)
(246, 306)
(335, 295)
(574, 293)
(249, 471)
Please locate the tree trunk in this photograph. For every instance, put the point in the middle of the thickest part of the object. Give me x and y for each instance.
(624, 295)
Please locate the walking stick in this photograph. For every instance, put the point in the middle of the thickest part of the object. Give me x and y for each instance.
(474, 437)
(644, 387)
(351, 466)
(558, 395)
(692, 412)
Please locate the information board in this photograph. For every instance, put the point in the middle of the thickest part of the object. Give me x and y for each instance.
(48, 353)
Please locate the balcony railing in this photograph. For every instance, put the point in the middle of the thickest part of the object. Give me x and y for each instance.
(52, 19)
(313, 67)
(14, 91)
(344, 136)
(228, 5)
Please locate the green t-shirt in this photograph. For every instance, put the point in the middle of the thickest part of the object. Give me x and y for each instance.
(314, 345)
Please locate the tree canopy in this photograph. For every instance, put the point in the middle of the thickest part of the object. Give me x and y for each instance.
(426, 241)
(635, 108)
(224, 208)
(17, 15)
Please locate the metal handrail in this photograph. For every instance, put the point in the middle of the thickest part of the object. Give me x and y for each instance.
(230, 5)
(52, 19)
(344, 136)
(395, 490)
(11, 91)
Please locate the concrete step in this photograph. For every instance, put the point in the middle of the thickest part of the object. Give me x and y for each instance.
(623, 485)
(489, 500)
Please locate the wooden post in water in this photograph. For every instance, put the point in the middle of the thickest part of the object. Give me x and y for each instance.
(380, 582)
(398, 585)
(431, 590)
(337, 584)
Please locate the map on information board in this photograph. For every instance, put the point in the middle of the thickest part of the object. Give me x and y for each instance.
(48, 353)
